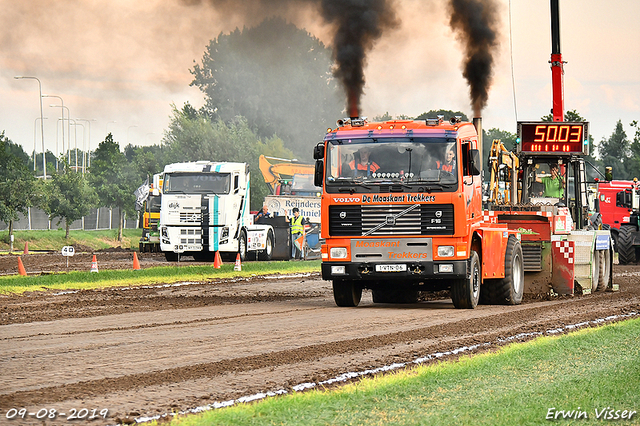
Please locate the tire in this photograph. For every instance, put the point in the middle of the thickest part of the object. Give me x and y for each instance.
(395, 296)
(465, 293)
(267, 253)
(605, 270)
(507, 290)
(346, 293)
(171, 256)
(626, 250)
(242, 246)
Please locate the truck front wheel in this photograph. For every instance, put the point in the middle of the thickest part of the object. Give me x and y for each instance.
(466, 292)
(346, 293)
(171, 256)
(242, 246)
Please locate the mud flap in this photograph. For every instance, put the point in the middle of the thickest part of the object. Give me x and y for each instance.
(563, 274)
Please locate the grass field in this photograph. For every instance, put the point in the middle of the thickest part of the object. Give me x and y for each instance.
(587, 377)
(147, 276)
(54, 239)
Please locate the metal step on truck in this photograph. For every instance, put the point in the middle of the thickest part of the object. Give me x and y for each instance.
(205, 209)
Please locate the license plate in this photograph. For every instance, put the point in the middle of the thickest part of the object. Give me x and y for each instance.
(391, 268)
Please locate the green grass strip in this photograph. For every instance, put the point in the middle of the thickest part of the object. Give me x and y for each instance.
(148, 276)
(521, 384)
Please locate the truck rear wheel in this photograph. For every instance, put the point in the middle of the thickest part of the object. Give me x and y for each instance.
(626, 250)
(466, 292)
(507, 290)
(395, 296)
(268, 250)
(346, 293)
(605, 269)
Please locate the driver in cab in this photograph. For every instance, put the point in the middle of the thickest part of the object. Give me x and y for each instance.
(361, 165)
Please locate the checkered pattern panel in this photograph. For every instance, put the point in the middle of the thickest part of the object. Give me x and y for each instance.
(566, 248)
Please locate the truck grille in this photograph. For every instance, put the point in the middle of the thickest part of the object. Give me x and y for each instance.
(190, 217)
(426, 219)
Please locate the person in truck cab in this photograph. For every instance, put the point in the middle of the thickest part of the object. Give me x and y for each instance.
(361, 165)
(449, 163)
(262, 214)
(553, 184)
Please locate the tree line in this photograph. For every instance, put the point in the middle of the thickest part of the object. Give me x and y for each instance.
(268, 90)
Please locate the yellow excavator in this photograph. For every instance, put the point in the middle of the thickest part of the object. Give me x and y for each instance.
(503, 185)
(287, 177)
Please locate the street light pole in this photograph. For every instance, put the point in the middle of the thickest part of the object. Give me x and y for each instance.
(62, 112)
(35, 133)
(106, 130)
(88, 151)
(76, 138)
(44, 161)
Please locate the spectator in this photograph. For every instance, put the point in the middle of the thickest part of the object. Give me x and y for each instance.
(297, 230)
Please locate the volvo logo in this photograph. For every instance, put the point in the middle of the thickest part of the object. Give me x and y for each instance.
(343, 215)
(390, 220)
(439, 214)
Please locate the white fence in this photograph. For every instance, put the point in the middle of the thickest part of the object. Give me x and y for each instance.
(102, 218)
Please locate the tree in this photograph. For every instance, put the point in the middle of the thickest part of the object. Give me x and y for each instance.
(68, 196)
(276, 76)
(114, 179)
(615, 151)
(193, 136)
(632, 164)
(18, 187)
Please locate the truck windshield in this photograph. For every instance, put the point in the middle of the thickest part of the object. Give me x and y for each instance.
(199, 183)
(393, 160)
(154, 202)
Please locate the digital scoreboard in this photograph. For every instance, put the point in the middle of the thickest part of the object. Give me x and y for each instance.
(553, 138)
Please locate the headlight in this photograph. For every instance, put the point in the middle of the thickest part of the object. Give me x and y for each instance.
(338, 253)
(338, 270)
(445, 251)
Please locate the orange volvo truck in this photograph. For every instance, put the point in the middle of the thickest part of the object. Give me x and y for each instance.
(402, 212)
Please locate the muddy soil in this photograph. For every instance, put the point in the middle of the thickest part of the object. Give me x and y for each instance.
(144, 352)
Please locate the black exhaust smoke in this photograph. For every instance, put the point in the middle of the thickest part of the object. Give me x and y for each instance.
(358, 24)
(476, 23)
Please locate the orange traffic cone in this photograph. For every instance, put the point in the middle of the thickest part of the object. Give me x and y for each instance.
(21, 269)
(217, 262)
(26, 248)
(238, 266)
(136, 264)
(94, 264)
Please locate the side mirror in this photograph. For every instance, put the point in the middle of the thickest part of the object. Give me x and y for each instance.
(475, 162)
(318, 152)
(318, 175)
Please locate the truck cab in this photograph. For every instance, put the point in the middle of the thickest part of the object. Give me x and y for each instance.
(402, 212)
(205, 209)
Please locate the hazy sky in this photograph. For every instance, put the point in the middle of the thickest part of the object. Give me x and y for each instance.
(124, 63)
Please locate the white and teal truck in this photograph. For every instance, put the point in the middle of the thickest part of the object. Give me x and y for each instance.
(205, 209)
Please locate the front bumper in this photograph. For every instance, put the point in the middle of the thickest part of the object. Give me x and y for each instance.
(415, 271)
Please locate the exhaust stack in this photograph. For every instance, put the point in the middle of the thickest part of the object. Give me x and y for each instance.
(477, 123)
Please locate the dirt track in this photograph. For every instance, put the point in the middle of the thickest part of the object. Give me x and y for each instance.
(151, 351)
